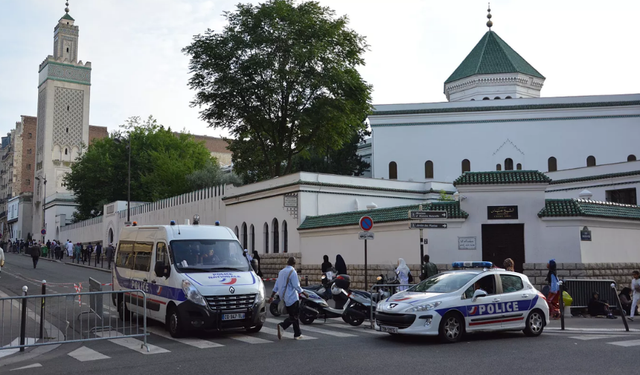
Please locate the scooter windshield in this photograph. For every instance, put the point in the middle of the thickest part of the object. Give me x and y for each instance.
(208, 256)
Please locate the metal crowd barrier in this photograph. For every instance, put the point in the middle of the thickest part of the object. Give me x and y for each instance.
(50, 319)
(575, 286)
(393, 290)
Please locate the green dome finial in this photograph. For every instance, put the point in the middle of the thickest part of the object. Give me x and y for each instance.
(489, 23)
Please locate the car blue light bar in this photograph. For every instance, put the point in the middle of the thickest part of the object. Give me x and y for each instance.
(474, 264)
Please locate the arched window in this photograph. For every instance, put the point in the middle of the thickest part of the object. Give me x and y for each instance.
(428, 169)
(591, 161)
(466, 166)
(631, 158)
(285, 237)
(245, 243)
(498, 167)
(236, 232)
(266, 238)
(508, 164)
(519, 166)
(252, 237)
(507, 97)
(497, 98)
(485, 98)
(110, 235)
(276, 236)
(552, 164)
(393, 171)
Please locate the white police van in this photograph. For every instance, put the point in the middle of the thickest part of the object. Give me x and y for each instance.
(474, 297)
(195, 277)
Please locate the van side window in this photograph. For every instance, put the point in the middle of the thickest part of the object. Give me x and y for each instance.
(143, 256)
(125, 255)
(161, 253)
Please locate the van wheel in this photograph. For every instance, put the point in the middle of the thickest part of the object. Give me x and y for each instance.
(123, 311)
(451, 327)
(174, 325)
(255, 329)
(534, 324)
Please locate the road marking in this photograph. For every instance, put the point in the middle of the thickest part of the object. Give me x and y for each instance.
(317, 330)
(626, 344)
(285, 334)
(7, 352)
(131, 343)
(198, 343)
(85, 354)
(35, 365)
(248, 339)
(360, 328)
(595, 337)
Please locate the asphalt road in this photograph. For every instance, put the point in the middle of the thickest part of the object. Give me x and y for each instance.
(330, 347)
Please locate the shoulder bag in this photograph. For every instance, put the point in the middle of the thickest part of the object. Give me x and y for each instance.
(282, 307)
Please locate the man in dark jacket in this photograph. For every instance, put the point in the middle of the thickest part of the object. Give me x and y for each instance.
(98, 252)
(108, 253)
(34, 251)
(428, 269)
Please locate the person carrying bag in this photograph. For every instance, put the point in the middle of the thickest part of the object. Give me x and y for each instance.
(289, 298)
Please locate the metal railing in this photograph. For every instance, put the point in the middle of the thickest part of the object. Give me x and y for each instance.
(50, 319)
(562, 287)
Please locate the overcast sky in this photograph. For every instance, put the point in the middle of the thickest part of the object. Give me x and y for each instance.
(582, 47)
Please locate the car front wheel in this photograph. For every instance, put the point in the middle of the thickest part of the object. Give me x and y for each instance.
(451, 327)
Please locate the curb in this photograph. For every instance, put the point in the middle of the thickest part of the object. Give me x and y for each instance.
(592, 330)
(88, 267)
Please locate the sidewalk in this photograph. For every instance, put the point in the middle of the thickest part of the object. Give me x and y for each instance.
(573, 324)
(102, 266)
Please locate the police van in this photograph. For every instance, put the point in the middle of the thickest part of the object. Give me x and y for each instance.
(473, 297)
(195, 277)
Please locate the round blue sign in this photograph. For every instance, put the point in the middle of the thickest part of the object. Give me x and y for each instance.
(44, 231)
(366, 223)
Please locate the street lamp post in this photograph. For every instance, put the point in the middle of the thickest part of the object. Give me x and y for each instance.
(44, 198)
(118, 140)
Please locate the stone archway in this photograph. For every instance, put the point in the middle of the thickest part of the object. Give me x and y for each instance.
(110, 236)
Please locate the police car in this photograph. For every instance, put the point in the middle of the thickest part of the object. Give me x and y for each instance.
(473, 297)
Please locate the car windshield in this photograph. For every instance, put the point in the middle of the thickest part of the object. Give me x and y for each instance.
(444, 282)
(208, 255)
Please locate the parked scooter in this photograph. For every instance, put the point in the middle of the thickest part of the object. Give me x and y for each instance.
(358, 307)
(314, 306)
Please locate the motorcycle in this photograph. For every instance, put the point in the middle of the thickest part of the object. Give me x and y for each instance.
(358, 307)
(313, 306)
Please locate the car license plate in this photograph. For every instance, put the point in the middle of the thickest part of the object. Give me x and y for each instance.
(238, 316)
(389, 329)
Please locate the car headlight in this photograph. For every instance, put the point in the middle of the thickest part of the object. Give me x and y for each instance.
(424, 307)
(192, 293)
(260, 295)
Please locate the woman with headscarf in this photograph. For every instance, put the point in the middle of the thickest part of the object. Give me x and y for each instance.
(341, 266)
(256, 261)
(597, 307)
(625, 300)
(403, 274)
(326, 265)
(554, 290)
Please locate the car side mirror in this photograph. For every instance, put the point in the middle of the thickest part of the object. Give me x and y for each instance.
(479, 293)
(161, 269)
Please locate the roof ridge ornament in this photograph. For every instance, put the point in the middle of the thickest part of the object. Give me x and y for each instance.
(489, 23)
(66, 9)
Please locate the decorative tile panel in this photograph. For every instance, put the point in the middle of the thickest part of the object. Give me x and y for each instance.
(68, 117)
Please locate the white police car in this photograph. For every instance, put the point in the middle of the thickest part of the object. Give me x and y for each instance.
(474, 297)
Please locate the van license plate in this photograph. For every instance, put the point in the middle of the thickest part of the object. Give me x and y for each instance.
(389, 329)
(238, 316)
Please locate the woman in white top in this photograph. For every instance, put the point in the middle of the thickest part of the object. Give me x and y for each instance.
(403, 274)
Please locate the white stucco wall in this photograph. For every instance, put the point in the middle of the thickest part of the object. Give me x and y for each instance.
(611, 243)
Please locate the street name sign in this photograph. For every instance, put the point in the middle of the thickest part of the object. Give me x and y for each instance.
(365, 236)
(428, 226)
(428, 214)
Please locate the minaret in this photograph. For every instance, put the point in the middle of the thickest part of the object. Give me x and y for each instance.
(63, 126)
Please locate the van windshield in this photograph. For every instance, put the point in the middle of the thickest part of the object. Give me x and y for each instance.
(208, 255)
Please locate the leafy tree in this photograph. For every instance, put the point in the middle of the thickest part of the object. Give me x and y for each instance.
(282, 79)
(211, 175)
(160, 164)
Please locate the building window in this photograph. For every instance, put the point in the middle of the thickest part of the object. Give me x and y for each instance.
(276, 236)
(244, 236)
(252, 237)
(393, 171)
(67, 108)
(519, 166)
(624, 196)
(507, 97)
(486, 98)
(552, 164)
(285, 237)
(236, 232)
(428, 169)
(466, 166)
(591, 161)
(508, 164)
(497, 98)
(28, 167)
(67, 130)
(631, 158)
(498, 167)
(29, 152)
(266, 238)
(30, 136)
(28, 182)
(66, 152)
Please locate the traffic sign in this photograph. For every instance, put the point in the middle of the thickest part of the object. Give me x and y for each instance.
(366, 223)
(428, 226)
(428, 214)
(44, 231)
(365, 236)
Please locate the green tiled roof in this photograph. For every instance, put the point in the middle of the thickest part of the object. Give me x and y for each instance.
(492, 55)
(381, 215)
(67, 17)
(583, 207)
(502, 178)
(596, 177)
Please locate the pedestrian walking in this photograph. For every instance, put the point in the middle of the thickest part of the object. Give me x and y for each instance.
(554, 290)
(108, 253)
(69, 248)
(403, 273)
(89, 252)
(49, 249)
(98, 252)
(256, 261)
(77, 252)
(83, 252)
(509, 264)
(428, 269)
(34, 251)
(1, 260)
(287, 287)
(635, 287)
(43, 249)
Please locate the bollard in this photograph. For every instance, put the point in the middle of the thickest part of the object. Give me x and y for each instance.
(44, 291)
(622, 312)
(306, 281)
(561, 301)
(23, 321)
